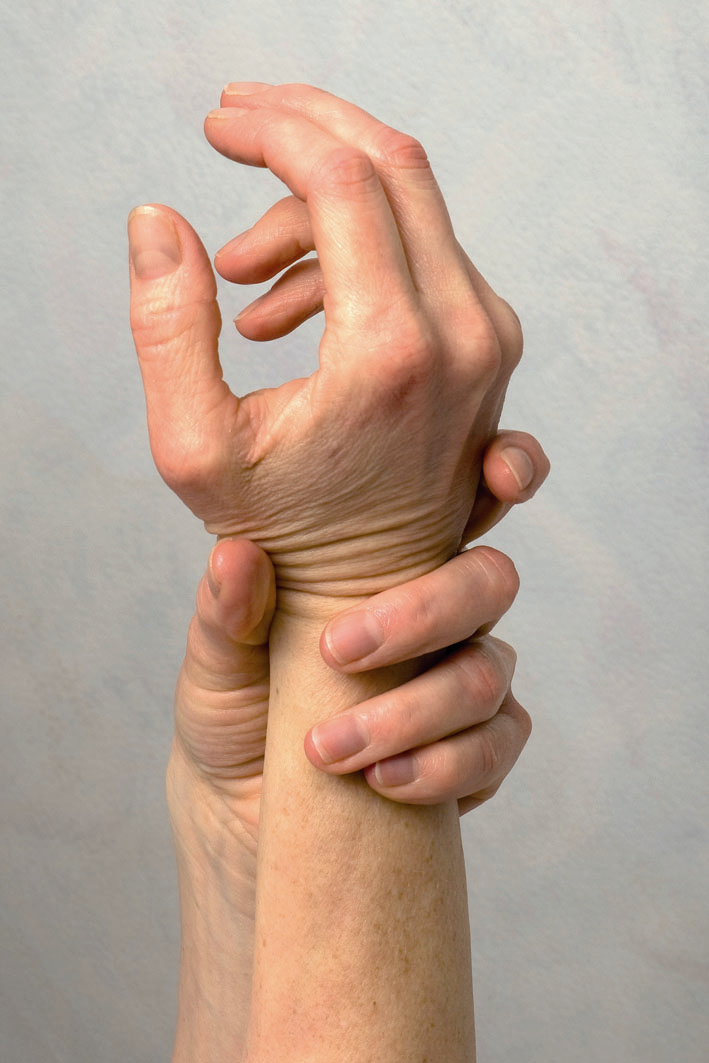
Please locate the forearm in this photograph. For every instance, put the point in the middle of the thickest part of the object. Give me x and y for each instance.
(362, 939)
(216, 866)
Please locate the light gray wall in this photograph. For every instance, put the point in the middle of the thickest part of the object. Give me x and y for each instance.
(571, 141)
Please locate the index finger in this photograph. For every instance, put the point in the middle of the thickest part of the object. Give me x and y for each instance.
(354, 231)
(436, 610)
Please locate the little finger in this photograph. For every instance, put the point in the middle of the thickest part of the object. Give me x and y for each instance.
(514, 468)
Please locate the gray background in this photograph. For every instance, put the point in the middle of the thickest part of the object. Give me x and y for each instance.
(571, 142)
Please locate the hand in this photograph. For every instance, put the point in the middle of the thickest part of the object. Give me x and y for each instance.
(380, 447)
(453, 732)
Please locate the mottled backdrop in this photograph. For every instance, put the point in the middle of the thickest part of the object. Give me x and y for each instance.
(571, 142)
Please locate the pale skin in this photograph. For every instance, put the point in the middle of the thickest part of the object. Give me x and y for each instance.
(356, 480)
(215, 775)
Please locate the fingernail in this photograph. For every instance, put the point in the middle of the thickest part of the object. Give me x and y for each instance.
(228, 113)
(396, 771)
(352, 636)
(212, 579)
(250, 307)
(153, 243)
(245, 88)
(340, 737)
(520, 465)
(233, 245)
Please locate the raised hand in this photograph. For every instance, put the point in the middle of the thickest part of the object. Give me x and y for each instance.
(365, 474)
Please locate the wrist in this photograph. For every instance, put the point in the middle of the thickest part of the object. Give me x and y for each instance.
(319, 592)
(306, 689)
(327, 565)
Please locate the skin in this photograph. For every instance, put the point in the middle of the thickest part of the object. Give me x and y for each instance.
(221, 707)
(215, 775)
(362, 477)
(373, 360)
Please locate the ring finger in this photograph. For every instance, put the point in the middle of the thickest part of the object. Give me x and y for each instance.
(468, 767)
(473, 681)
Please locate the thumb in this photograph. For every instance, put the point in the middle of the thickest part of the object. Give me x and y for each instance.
(514, 468)
(176, 323)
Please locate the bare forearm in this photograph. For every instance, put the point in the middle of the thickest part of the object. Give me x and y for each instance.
(216, 875)
(361, 940)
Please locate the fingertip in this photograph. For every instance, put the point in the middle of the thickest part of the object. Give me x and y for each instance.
(316, 755)
(242, 88)
(240, 577)
(401, 770)
(500, 570)
(514, 466)
(153, 242)
(249, 311)
(336, 741)
(505, 472)
(223, 257)
(406, 791)
(312, 752)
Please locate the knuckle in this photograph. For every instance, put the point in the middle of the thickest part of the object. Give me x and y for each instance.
(410, 611)
(159, 321)
(153, 322)
(513, 340)
(487, 682)
(441, 775)
(525, 724)
(180, 467)
(400, 150)
(487, 756)
(480, 345)
(383, 721)
(406, 372)
(520, 717)
(186, 459)
(345, 170)
(509, 652)
(506, 658)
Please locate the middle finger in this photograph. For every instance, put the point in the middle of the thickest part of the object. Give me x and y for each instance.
(472, 681)
(433, 254)
(364, 266)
